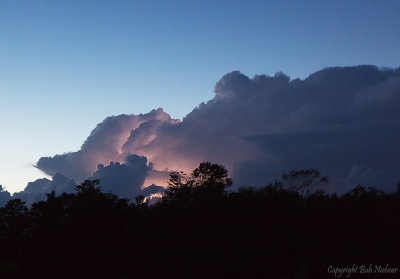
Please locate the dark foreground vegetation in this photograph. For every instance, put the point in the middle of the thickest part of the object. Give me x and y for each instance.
(198, 230)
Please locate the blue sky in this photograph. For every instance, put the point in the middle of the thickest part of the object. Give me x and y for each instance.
(66, 65)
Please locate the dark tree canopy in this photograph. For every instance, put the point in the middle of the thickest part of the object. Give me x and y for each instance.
(199, 230)
(304, 181)
(207, 179)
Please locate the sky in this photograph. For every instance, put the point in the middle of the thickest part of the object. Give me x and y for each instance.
(67, 65)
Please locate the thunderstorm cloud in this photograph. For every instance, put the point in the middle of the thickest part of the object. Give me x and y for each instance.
(343, 121)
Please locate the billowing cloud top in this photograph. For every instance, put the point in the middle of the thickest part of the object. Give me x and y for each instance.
(105, 143)
(344, 121)
(129, 176)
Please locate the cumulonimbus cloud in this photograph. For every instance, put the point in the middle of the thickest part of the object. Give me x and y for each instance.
(104, 144)
(126, 179)
(344, 121)
(37, 189)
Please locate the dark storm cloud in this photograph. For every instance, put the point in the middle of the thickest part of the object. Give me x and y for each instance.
(36, 190)
(343, 121)
(337, 120)
(125, 180)
(4, 196)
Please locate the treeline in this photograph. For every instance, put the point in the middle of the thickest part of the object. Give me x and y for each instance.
(199, 230)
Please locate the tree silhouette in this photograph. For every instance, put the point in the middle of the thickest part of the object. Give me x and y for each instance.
(207, 179)
(199, 230)
(304, 181)
(88, 186)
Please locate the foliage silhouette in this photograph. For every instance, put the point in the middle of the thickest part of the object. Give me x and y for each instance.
(199, 230)
(304, 181)
(206, 183)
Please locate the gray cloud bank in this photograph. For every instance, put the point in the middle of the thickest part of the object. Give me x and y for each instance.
(343, 121)
(126, 180)
(4, 196)
(37, 189)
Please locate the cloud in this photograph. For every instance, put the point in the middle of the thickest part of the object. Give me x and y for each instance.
(343, 121)
(124, 180)
(36, 190)
(4, 196)
(103, 145)
(152, 189)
